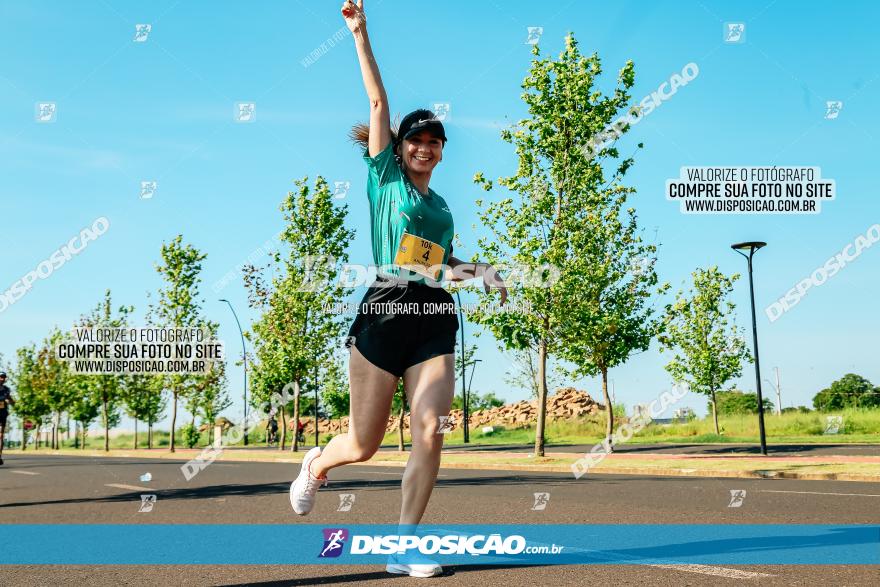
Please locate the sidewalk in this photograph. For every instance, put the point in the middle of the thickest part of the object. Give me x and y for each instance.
(821, 467)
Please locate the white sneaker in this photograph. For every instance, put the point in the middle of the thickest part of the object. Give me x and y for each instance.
(304, 488)
(428, 569)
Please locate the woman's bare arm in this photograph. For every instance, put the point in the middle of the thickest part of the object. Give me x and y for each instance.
(380, 117)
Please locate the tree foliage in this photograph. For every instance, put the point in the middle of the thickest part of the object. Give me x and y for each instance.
(850, 391)
(708, 349)
(570, 224)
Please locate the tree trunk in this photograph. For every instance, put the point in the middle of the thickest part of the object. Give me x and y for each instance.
(715, 413)
(53, 431)
(76, 437)
(135, 433)
(36, 437)
(24, 436)
(106, 426)
(85, 431)
(149, 434)
(542, 395)
(173, 417)
(400, 446)
(609, 425)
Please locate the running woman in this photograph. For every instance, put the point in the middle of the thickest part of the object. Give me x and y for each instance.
(412, 230)
(5, 401)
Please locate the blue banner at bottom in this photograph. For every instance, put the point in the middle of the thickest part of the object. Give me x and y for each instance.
(570, 544)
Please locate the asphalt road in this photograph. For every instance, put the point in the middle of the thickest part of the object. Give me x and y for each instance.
(56, 490)
(792, 450)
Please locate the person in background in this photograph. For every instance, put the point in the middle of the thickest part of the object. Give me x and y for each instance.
(6, 400)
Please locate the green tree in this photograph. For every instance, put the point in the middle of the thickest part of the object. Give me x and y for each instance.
(591, 312)
(178, 306)
(478, 402)
(335, 390)
(107, 387)
(708, 349)
(398, 406)
(523, 372)
(735, 402)
(141, 395)
(52, 382)
(85, 407)
(850, 391)
(30, 403)
(295, 336)
(212, 393)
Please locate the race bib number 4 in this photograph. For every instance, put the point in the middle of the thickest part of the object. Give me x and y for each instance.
(418, 255)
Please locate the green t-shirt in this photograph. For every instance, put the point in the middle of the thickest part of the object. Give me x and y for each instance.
(406, 227)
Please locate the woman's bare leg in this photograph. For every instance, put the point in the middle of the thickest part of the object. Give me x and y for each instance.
(429, 390)
(372, 389)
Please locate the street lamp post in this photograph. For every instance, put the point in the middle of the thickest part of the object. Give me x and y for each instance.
(751, 247)
(463, 390)
(244, 358)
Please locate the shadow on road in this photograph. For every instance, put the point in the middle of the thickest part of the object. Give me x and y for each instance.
(449, 571)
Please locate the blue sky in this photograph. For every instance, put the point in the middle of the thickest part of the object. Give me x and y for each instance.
(163, 110)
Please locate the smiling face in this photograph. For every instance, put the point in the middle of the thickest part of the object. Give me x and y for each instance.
(421, 152)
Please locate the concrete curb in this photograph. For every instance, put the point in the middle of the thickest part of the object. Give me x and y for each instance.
(602, 470)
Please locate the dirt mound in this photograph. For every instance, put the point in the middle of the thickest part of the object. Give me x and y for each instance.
(566, 404)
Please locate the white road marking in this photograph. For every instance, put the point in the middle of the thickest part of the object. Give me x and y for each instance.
(820, 493)
(132, 487)
(32, 473)
(715, 571)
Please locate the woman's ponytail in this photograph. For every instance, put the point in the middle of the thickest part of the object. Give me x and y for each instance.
(360, 133)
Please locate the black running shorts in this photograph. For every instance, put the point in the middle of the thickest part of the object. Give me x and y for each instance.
(402, 323)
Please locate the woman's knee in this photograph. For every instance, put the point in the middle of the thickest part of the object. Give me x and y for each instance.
(427, 439)
(358, 452)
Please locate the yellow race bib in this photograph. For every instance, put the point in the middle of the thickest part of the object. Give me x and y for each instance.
(2, 405)
(418, 255)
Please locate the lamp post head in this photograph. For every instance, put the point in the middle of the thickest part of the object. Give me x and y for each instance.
(223, 300)
(748, 246)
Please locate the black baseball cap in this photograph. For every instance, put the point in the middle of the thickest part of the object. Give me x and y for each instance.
(419, 120)
(2, 374)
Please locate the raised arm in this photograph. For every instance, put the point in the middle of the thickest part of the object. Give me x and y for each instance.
(380, 118)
